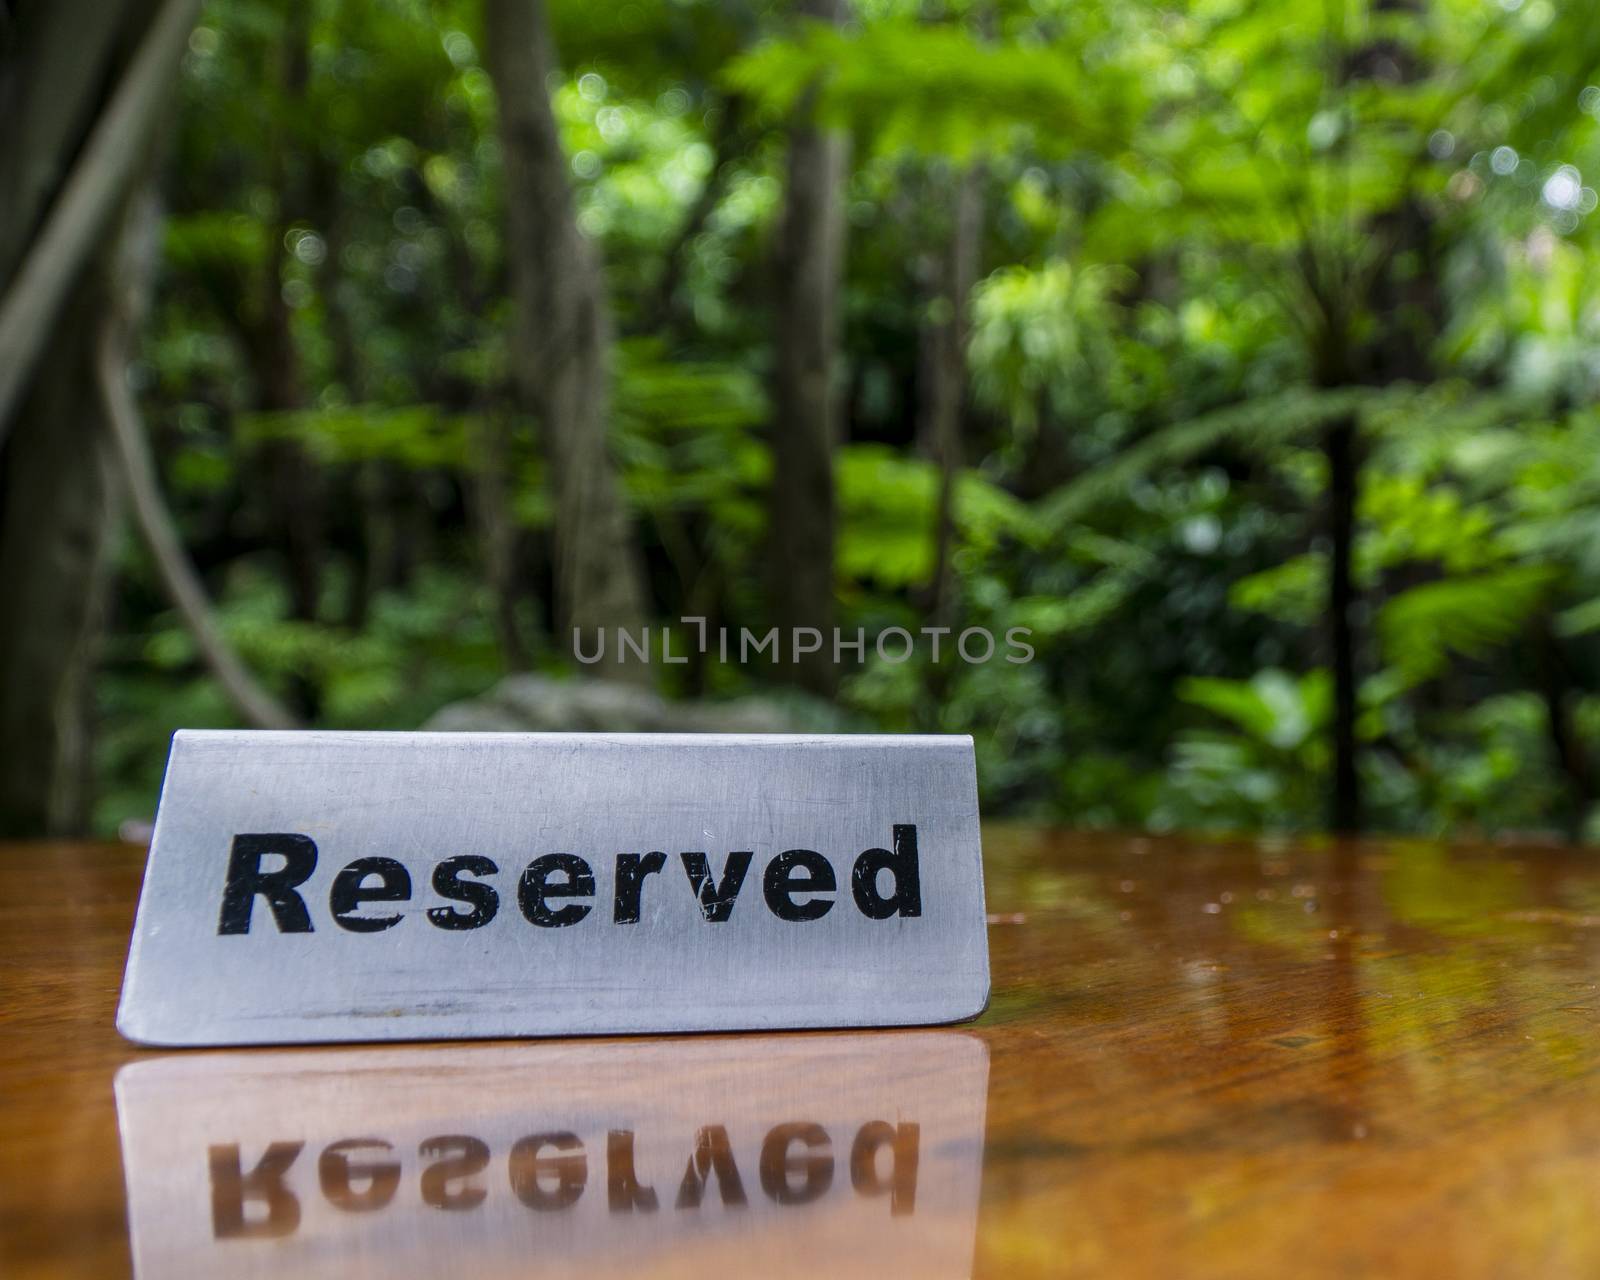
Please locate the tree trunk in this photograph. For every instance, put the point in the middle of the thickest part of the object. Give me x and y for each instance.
(562, 343)
(1339, 447)
(809, 266)
(497, 533)
(1559, 691)
(57, 510)
(293, 481)
(1398, 349)
(52, 116)
(67, 154)
(944, 378)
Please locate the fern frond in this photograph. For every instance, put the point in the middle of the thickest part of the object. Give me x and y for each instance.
(1269, 419)
(1468, 615)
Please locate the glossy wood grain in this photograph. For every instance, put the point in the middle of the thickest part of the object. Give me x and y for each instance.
(1203, 1059)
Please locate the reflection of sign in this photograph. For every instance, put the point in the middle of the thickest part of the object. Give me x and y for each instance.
(337, 886)
(817, 1155)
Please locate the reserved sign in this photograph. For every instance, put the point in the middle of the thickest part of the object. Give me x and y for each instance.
(353, 886)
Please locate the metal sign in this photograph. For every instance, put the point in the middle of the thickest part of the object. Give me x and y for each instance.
(774, 1156)
(310, 887)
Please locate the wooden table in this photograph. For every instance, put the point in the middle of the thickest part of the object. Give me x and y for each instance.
(1201, 1059)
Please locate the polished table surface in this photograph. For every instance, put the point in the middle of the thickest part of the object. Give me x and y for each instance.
(1201, 1059)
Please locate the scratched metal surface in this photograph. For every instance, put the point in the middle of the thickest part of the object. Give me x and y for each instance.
(419, 798)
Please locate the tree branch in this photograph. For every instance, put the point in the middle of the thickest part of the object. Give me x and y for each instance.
(258, 707)
(85, 206)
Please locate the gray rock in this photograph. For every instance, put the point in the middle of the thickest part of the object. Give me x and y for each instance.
(539, 704)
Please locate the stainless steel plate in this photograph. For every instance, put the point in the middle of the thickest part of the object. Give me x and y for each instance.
(341, 886)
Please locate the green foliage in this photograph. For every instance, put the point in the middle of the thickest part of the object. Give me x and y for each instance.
(1292, 414)
(1272, 708)
(1265, 768)
(941, 90)
(418, 651)
(887, 505)
(416, 436)
(1294, 591)
(1467, 615)
(1210, 233)
(1037, 336)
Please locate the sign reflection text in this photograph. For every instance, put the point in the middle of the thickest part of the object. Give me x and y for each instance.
(849, 1153)
(549, 1172)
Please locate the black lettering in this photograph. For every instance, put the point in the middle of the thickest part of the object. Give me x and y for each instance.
(231, 1188)
(902, 1141)
(535, 889)
(716, 900)
(447, 883)
(906, 900)
(711, 1154)
(778, 1167)
(632, 868)
(459, 1157)
(246, 879)
(528, 1168)
(350, 890)
(785, 879)
(623, 1192)
(337, 1176)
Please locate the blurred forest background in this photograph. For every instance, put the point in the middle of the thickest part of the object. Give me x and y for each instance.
(354, 351)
